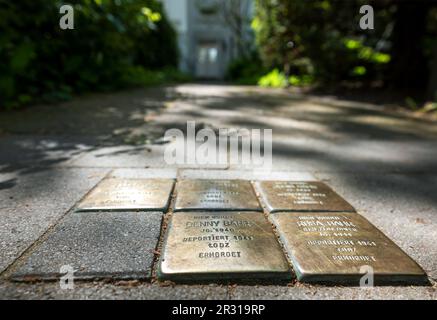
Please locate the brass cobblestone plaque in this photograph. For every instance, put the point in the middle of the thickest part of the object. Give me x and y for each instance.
(340, 247)
(300, 196)
(216, 195)
(128, 194)
(221, 246)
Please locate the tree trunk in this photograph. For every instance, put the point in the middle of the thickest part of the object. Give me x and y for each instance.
(432, 84)
(409, 66)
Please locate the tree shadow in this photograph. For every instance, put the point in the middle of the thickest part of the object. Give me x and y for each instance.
(44, 137)
(331, 135)
(49, 136)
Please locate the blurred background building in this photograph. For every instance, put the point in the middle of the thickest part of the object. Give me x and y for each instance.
(211, 33)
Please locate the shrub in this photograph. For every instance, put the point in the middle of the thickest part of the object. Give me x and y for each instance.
(113, 45)
(277, 79)
(273, 79)
(246, 71)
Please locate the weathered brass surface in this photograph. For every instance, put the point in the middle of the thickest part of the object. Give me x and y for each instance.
(300, 196)
(216, 195)
(128, 194)
(221, 246)
(333, 247)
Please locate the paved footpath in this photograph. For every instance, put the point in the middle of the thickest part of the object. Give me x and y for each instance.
(382, 161)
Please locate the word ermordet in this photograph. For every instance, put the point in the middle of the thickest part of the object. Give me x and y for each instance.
(67, 20)
(256, 148)
(66, 282)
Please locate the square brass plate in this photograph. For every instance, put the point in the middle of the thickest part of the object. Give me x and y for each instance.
(300, 196)
(128, 194)
(216, 195)
(333, 247)
(221, 245)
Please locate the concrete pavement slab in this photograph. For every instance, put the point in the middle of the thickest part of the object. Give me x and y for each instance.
(306, 292)
(246, 175)
(27, 152)
(115, 245)
(30, 203)
(350, 155)
(143, 156)
(123, 290)
(137, 173)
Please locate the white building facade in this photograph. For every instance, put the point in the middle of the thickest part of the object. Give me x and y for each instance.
(211, 33)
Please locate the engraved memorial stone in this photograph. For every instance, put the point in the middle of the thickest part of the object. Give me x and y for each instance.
(340, 247)
(128, 194)
(300, 196)
(216, 195)
(221, 245)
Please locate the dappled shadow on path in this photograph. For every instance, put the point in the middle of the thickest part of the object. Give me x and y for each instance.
(320, 134)
(42, 137)
(317, 134)
(286, 112)
(384, 163)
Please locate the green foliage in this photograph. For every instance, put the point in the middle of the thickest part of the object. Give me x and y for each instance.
(366, 53)
(246, 71)
(321, 40)
(359, 71)
(115, 44)
(277, 79)
(301, 81)
(411, 103)
(139, 76)
(250, 71)
(430, 107)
